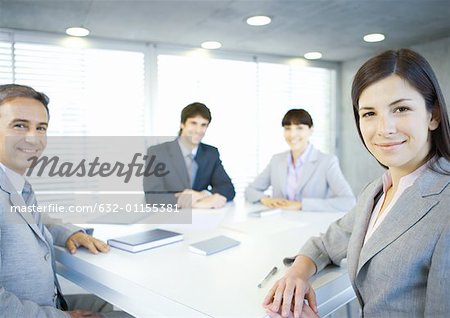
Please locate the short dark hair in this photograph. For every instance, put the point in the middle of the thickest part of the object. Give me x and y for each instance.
(297, 117)
(11, 91)
(414, 69)
(194, 110)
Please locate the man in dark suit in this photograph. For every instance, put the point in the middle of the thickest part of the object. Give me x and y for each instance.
(195, 174)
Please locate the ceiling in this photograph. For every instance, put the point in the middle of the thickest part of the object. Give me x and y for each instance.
(333, 27)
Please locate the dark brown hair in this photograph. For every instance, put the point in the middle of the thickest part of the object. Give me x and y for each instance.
(194, 110)
(297, 117)
(413, 68)
(11, 91)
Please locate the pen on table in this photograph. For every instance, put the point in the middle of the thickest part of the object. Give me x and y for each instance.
(272, 272)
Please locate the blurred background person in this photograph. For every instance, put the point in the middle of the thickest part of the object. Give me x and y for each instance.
(302, 178)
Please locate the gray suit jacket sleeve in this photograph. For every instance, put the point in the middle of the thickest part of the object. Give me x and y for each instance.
(255, 191)
(331, 247)
(61, 233)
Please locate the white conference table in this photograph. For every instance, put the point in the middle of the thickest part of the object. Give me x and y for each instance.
(171, 281)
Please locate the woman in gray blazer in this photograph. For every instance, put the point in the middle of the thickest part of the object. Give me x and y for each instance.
(303, 177)
(397, 238)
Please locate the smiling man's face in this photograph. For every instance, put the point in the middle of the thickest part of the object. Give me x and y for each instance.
(23, 132)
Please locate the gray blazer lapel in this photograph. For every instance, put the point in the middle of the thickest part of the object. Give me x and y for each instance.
(178, 163)
(308, 169)
(17, 200)
(407, 211)
(366, 204)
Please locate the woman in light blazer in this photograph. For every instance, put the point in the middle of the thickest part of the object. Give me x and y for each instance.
(302, 178)
(397, 238)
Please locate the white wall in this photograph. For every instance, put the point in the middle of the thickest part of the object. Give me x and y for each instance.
(357, 164)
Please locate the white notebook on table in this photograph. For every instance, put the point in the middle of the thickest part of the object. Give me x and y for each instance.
(213, 245)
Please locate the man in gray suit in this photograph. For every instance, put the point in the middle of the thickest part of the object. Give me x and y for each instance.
(28, 283)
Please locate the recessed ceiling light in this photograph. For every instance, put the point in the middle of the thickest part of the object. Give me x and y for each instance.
(374, 37)
(259, 20)
(77, 31)
(211, 45)
(313, 55)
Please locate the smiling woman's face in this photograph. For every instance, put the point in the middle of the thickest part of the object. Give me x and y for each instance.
(395, 124)
(297, 136)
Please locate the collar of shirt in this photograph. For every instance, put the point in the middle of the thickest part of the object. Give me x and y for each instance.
(185, 151)
(17, 180)
(300, 160)
(404, 183)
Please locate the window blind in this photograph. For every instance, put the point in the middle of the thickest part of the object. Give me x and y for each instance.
(93, 92)
(97, 91)
(6, 60)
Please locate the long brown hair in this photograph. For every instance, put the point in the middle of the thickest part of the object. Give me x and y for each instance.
(416, 70)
